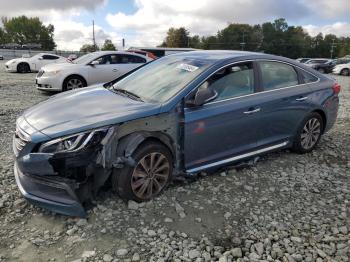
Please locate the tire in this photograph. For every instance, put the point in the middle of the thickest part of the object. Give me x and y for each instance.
(23, 68)
(345, 72)
(321, 70)
(309, 134)
(133, 182)
(73, 82)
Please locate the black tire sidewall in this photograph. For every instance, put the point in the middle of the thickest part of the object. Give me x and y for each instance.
(297, 147)
(121, 181)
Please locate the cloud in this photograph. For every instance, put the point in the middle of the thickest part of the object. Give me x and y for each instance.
(41, 7)
(203, 17)
(71, 35)
(338, 29)
(334, 9)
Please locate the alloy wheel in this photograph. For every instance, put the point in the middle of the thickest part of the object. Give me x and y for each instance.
(311, 133)
(74, 83)
(150, 175)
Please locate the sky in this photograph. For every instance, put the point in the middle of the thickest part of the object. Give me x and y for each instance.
(145, 22)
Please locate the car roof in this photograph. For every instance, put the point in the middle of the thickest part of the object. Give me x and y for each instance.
(217, 56)
(100, 53)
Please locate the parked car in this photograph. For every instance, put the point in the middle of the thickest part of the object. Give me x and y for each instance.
(303, 60)
(72, 57)
(97, 67)
(32, 64)
(326, 68)
(1, 57)
(180, 114)
(141, 52)
(317, 61)
(342, 69)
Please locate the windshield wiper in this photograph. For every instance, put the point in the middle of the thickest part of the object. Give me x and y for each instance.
(128, 94)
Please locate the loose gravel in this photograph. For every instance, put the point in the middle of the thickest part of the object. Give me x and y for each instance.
(287, 207)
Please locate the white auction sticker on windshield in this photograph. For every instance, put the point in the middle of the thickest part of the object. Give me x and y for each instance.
(187, 67)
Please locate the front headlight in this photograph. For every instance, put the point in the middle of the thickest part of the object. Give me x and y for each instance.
(52, 73)
(75, 142)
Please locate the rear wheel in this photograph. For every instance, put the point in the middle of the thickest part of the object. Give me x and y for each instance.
(309, 133)
(345, 72)
(73, 82)
(23, 68)
(148, 177)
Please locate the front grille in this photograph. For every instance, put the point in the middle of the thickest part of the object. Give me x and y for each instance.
(20, 139)
(40, 73)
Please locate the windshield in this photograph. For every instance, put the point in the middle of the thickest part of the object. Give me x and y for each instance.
(84, 59)
(162, 79)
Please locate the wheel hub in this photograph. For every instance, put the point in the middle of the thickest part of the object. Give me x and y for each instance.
(150, 175)
(310, 134)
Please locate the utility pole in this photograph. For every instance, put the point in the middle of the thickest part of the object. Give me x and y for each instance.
(93, 34)
(123, 43)
(332, 48)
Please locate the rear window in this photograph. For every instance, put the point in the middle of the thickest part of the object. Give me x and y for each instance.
(277, 75)
(307, 77)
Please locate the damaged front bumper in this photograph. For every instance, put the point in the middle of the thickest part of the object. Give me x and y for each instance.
(52, 194)
(63, 182)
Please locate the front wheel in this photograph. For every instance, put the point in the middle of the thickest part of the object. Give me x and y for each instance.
(309, 133)
(148, 177)
(23, 68)
(73, 82)
(321, 70)
(345, 72)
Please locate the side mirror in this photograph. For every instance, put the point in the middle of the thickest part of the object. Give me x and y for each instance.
(40, 58)
(93, 63)
(202, 96)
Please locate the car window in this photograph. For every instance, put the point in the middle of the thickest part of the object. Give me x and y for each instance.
(50, 57)
(130, 59)
(104, 60)
(232, 81)
(307, 77)
(277, 75)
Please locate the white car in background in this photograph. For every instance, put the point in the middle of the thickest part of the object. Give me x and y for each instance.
(93, 68)
(32, 64)
(342, 69)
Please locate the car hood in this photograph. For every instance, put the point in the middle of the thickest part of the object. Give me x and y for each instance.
(81, 110)
(60, 66)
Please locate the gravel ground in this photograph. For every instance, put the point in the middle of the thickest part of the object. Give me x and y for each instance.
(287, 207)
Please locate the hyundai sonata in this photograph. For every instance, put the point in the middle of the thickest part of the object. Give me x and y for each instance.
(180, 114)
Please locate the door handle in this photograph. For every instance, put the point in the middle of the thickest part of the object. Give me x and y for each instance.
(252, 111)
(115, 70)
(301, 98)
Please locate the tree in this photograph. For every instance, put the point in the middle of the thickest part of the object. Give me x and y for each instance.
(87, 48)
(176, 37)
(275, 37)
(23, 30)
(108, 46)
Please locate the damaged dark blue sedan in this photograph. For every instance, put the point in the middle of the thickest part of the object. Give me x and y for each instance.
(181, 114)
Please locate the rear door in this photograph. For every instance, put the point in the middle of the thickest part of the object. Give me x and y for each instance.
(128, 62)
(284, 102)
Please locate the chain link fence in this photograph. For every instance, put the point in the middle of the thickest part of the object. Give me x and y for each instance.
(17, 53)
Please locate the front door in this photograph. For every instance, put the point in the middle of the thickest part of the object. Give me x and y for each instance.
(226, 127)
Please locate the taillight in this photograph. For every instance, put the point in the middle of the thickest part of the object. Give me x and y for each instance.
(336, 88)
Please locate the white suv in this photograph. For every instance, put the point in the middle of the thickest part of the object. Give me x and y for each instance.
(93, 68)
